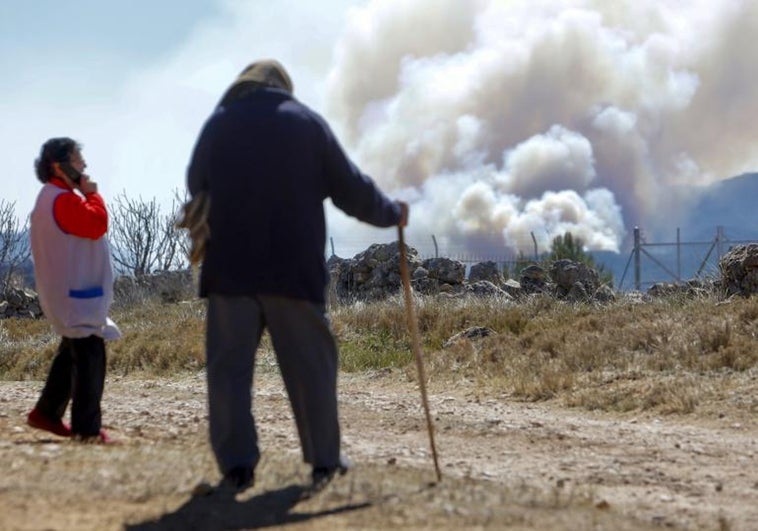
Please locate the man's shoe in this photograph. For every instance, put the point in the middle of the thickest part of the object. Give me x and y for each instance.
(41, 422)
(100, 438)
(321, 476)
(238, 479)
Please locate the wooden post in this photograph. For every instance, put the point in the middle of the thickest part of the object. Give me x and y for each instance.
(678, 256)
(637, 268)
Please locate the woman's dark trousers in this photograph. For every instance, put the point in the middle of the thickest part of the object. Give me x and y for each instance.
(77, 374)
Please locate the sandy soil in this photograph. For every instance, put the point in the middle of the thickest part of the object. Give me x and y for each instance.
(504, 463)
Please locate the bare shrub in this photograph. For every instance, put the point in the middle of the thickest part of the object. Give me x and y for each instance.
(14, 245)
(144, 238)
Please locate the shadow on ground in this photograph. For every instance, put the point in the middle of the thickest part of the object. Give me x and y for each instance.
(218, 511)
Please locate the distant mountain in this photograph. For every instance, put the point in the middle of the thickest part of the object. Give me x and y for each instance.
(731, 204)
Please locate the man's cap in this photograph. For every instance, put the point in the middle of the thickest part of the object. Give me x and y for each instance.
(264, 73)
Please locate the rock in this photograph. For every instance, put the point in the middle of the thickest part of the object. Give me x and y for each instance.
(488, 271)
(419, 273)
(373, 274)
(534, 280)
(22, 303)
(445, 270)
(513, 288)
(533, 272)
(739, 270)
(573, 280)
(485, 288)
(604, 294)
(474, 332)
(577, 293)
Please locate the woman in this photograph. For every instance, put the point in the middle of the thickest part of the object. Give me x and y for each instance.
(74, 280)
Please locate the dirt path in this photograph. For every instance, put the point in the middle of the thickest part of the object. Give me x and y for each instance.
(505, 463)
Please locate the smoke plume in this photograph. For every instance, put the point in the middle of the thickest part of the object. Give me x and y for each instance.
(501, 121)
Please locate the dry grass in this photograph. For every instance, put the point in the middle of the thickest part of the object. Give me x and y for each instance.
(667, 355)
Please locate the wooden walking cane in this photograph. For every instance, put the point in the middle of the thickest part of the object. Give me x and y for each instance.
(413, 326)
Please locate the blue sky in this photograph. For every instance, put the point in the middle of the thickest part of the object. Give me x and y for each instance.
(134, 81)
(82, 35)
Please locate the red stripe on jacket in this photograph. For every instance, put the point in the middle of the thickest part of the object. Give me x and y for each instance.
(84, 217)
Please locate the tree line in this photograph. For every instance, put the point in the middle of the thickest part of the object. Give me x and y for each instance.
(144, 239)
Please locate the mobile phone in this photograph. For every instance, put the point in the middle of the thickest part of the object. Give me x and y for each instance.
(71, 172)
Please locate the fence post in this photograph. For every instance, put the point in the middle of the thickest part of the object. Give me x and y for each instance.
(678, 256)
(719, 239)
(637, 270)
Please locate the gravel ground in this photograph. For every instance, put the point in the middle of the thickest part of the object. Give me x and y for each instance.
(504, 463)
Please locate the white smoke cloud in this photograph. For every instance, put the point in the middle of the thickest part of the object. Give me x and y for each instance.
(506, 120)
(557, 160)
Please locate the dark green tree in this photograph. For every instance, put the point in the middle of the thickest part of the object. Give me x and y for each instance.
(572, 248)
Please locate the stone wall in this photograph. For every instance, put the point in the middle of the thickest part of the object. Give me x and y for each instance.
(166, 286)
(19, 303)
(374, 274)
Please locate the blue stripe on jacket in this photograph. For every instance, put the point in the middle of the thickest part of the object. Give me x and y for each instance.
(89, 293)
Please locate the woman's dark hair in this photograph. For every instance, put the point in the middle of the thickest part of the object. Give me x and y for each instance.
(54, 150)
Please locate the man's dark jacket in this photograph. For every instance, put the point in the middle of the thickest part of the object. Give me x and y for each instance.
(268, 162)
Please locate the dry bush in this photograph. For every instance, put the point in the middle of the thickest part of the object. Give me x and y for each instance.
(159, 339)
(26, 348)
(666, 355)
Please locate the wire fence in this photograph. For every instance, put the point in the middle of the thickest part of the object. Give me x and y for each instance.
(675, 261)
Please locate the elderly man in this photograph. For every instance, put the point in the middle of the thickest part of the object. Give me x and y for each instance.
(266, 163)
